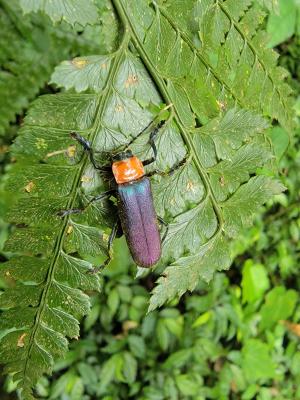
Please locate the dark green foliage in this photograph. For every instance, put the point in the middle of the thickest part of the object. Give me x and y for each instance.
(209, 345)
(225, 341)
(82, 12)
(30, 49)
(210, 61)
(285, 23)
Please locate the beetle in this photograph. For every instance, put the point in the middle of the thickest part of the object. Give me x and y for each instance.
(137, 217)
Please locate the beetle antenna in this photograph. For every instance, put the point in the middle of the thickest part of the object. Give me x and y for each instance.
(159, 125)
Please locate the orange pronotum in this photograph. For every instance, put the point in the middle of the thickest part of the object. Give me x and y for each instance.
(128, 170)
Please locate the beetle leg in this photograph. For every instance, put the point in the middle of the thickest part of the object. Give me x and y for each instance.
(166, 225)
(170, 171)
(151, 141)
(156, 129)
(63, 213)
(112, 237)
(88, 149)
(152, 138)
(142, 131)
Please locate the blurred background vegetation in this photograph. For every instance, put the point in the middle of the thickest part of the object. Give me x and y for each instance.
(237, 338)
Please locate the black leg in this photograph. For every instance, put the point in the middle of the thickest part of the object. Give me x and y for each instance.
(152, 138)
(63, 213)
(166, 225)
(151, 141)
(88, 149)
(140, 133)
(148, 126)
(112, 237)
(170, 171)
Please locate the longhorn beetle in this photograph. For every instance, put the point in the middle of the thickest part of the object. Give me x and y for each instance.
(137, 217)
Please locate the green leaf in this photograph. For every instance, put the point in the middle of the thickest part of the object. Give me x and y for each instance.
(202, 319)
(228, 175)
(199, 228)
(280, 141)
(88, 374)
(78, 72)
(178, 359)
(186, 272)
(72, 11)
(109, 369)
(256, 361)
(282, 26)
(130, 369)
(137, 346)
(113, 301)
(35, 47)
(219, 80)
(247, 199)
(279, 305)
(229, 131)
(163, 335)
(255, 281)
(271, 5)
(186, 385)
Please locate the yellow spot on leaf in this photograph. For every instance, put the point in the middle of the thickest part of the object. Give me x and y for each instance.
(131, 80)
(71, 151)
(105, 237)
(86, 179)
(41, 143)
(69, 230)
(221, 105)
(103, 66)
(119, 108)
(79, 63)
(20, 342)
(190, 187)
(29, 187)
(222, 180)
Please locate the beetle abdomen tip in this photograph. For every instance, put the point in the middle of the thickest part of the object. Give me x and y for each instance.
(147, 260)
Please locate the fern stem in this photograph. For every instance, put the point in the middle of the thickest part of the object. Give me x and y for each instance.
(164, 92)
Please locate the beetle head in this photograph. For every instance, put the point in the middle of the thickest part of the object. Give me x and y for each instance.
(122, 155)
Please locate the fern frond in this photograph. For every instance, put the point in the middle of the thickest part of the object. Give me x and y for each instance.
(111, 100)
(31, 47)
(229, 62)
(215, 59)
(82, 12)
